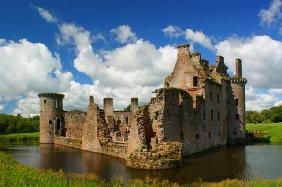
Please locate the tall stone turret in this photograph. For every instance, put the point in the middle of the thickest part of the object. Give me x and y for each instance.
(238, 88)
(133, 105)
(109, 113)
(51, 116)
(108, 106)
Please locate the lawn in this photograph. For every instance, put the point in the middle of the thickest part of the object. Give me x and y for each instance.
(32, 137)
(15, 174)
(274, 130)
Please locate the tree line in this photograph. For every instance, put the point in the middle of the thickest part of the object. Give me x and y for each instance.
(271, 115)
(16, 124)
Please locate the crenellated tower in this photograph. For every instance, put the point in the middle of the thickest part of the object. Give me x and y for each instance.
(51, 116)
(238, 90)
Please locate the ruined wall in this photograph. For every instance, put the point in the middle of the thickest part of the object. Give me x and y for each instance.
(186, 68)
(163, 156)
(137, 135)
(73, 123)
(122, 121)
(70, 142)
(198, 122)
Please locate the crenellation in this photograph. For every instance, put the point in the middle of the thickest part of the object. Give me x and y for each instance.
(199, 107)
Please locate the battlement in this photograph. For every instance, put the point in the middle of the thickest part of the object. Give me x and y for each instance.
(51, 95)
(237, 80)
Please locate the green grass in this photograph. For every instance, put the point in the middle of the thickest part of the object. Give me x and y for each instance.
(20, 138)
(274, 130)
(14, 174)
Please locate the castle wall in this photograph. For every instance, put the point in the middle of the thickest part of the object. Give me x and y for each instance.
(180, 118)
(122, 124)
(74, 123)
(200, 107)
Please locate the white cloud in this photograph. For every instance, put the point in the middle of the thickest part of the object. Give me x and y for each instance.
(261, 58)
(77, 96)
(134, 69)
(272, 14)
(46, 15)
(27, 69)
(200, 38)
(28, 105)
(191, 36)
(172, 31)
(124, 34)
(26, 66)
(2, 103)
(257, 99)
(99, 37)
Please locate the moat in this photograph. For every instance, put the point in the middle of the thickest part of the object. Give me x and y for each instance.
(245, 162)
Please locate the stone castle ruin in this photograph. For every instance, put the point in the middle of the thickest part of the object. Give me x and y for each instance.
(200, 107)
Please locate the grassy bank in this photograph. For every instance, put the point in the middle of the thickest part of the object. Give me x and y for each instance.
(274, 130)
(20, 138)
(14, 174)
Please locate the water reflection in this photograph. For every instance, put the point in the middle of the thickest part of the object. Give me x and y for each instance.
(258, 161)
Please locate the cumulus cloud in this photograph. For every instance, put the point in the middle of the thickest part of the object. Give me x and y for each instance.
(26, 66)
(272, 14)
(172, 31)
(46, 15)
(27, 69)
(191, 36)
(258, 99)
(2, 103)
(261, 55)
(124, 34)
(200, 38)
(27, 106)
(135, 69)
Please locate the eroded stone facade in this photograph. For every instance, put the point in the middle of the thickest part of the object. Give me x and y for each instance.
(200, 106)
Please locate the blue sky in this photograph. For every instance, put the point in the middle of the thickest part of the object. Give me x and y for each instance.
(85, 46)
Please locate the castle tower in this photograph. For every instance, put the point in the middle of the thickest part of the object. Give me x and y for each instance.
(108, 106)
(51, 116)
(109, 113)
(238, 87)
(134, 104)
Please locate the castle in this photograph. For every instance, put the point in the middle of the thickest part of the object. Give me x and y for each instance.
(200, 106)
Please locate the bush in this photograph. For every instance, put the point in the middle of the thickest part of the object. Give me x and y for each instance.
(16, 124)
(272, 115)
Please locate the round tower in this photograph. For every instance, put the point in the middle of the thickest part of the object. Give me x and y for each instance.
(51, 114)
(238, 87)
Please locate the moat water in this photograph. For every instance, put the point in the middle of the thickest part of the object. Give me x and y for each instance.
(245, 162)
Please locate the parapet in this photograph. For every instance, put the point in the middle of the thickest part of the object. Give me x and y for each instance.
(51, 95)
(183, 46)
(236, 79)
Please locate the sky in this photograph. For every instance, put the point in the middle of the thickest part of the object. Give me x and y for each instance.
(124, 49)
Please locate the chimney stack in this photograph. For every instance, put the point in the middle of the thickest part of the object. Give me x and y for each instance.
(238, 67)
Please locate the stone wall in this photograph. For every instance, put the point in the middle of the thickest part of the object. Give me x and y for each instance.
(74, 143)
(164, 156)
(73, 123)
